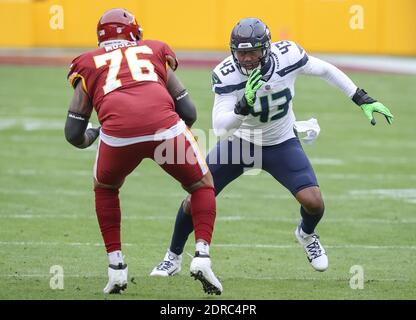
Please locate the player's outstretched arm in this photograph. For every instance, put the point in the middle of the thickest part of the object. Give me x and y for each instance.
(369, 106)
(79, 112)
(339, 79)
(184, 105)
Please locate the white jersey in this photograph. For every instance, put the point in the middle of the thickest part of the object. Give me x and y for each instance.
(272, 119)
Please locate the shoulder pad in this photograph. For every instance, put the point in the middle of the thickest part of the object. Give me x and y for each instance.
(287, 47)
(291, 56)
(226, 78)
(78, 69)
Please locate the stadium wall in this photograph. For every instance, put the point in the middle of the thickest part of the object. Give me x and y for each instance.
(335, 26)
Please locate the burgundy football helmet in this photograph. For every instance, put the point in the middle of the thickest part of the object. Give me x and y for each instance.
(118, 24)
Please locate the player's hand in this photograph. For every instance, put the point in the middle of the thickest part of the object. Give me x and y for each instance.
(379, 108)
(253, 84)
(92, 134)
(245, 105)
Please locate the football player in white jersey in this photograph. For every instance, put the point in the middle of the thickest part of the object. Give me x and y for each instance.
(254, 88)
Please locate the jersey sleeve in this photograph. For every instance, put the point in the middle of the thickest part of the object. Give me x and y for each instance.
(225, 79)
(297, 52)
(224, 120)
(170, 57)
(330, 73)
(78, 72)
(294, 55)
(215, 80)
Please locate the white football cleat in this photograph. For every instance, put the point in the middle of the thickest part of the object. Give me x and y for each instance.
(117, 279)
(201, 270)
(314, 250)
(171, 265)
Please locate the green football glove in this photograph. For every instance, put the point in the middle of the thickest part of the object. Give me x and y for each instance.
(377, 107)
(369, 105)
(253, 84)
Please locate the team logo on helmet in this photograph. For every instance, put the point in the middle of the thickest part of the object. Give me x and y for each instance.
(118, 23)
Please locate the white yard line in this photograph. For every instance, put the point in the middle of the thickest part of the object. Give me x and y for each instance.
(334, 176)
(31, 124)
(311, 279)
(7, 123)
(49, 192)
(54, 243)
(36, 172)
(373, 176)
(41, 275)
(219, 218)
(219, 245)
(327, 161)
(103, 275)
(399, 144)
(384, 160)
(395, 193)
(407, 195)
(277, 246)
(87, 193)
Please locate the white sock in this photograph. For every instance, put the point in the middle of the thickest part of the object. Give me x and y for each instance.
(173, 255)
(202, 247)
(115, 257)
(303, 234)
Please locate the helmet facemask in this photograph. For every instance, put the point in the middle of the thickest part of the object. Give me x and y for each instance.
(248, 67)
(250, 34)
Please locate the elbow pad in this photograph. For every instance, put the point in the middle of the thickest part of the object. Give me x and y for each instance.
(75, 127)
(185, 108)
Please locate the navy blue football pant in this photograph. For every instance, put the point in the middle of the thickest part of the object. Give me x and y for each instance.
(286, 162)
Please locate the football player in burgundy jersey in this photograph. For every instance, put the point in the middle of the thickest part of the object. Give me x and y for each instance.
(144, 112)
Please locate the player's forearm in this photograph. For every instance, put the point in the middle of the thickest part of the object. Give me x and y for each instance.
(227, 122)
(185, 108)
(224, 119)
(76, 132)
(331, 74)
(184, 105)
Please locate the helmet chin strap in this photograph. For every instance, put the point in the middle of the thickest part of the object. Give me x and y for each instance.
(265, 69)
(247, 72)
(264, 64)
(133, 37)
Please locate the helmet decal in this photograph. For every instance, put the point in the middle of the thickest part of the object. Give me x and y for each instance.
(118, 23)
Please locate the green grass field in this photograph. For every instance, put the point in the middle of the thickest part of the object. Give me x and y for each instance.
(367, 175)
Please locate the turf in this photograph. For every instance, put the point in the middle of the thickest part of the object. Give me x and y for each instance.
(367, 175)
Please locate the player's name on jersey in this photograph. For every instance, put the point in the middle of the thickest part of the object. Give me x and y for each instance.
(117, 45)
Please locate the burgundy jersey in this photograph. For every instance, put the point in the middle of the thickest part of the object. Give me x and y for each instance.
(126, 83)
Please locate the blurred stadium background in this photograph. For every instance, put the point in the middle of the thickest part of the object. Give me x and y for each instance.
(367, 174)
